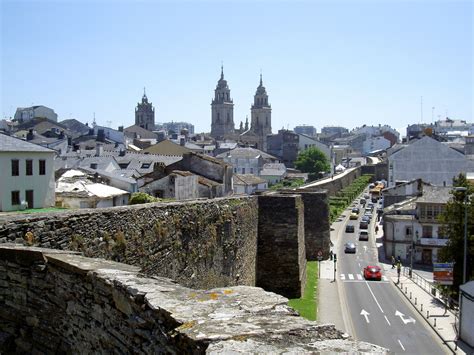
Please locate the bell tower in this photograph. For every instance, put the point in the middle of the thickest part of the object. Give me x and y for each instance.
(222, 110)
(145, 114)
(261, 115)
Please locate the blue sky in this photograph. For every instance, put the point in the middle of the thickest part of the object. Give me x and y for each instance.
(344, 63)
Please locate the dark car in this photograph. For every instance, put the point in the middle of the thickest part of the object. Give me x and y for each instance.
(350, 228)
(364, 235)
(372, 272)
(364, 225)
(349, 248)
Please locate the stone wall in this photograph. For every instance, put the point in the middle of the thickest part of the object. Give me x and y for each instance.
(316, 223)
(338, 183)
(201, 244)
(281, 259)
(57, 302)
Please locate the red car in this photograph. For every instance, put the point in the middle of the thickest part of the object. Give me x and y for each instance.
(372, 273)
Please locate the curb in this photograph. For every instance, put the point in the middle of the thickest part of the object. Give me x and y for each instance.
(446, 342)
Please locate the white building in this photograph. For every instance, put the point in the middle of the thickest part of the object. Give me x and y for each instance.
(75, 190)
(373, 144)
(415, 221)
(24, 114)
(248, 184)
(428, 159)
(27, 175)
(273, 172)
(247, 160)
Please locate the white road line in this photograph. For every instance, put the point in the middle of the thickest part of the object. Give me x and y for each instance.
(384, 278)
(399, 342)
(343, 277)
(358, 264)
(351, 277)
(387, 320)
(378, 304)
(359, 277)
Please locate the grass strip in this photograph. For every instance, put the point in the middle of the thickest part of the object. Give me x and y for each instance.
(306, 305)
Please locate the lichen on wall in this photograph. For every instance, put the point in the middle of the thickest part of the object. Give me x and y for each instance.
(202, 244)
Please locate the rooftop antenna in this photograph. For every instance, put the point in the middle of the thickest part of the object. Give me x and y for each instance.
(421, 106)
(93, 121)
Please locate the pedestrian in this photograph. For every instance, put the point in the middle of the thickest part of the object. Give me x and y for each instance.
(399, 260)
(393, 262)
(330, 254)
(376, 229)
(399, 269)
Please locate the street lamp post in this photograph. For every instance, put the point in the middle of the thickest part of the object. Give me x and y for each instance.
(464, 269)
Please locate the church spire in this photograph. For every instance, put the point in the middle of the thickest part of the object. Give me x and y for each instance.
(222, 71)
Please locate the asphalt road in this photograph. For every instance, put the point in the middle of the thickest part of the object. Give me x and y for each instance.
(375, 310)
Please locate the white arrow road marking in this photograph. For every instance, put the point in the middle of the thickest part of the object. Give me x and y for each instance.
(365, 314)
(343, 277)
(359, 277)
(365, 248)
(404, 320)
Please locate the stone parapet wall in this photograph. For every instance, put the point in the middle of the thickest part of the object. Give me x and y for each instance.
(200, 244)
(55, 301)
(281, 258)
(338, 183)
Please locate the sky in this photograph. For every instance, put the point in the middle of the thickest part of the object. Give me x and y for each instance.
(324, 63)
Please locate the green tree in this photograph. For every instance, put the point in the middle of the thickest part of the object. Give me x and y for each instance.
(312, 161)
(452, 220)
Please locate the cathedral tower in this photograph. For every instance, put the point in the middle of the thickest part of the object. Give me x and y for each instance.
(222, 108)
(145, 114)
(261, 115)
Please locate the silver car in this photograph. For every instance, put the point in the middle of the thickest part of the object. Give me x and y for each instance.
(349, 248)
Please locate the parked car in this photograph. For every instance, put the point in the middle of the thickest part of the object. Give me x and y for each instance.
(349, 248)
(350, 228)
(364, 235)
(372, 272)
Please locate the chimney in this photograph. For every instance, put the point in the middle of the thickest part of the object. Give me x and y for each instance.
(120, 128)
(30, 135)
(99, 150)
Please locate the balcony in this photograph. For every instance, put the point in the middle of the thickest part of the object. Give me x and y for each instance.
(433, 242)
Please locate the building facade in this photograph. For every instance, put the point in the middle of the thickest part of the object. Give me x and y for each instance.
(27, 175)
(24, 114)
(428, 159)
(222, 110)
(145, 114)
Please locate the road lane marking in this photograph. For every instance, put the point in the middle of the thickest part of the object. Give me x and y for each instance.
(358, 264)
(384, 278)
(343, 277)
(399, 342)
(378, 304)
(351, 277)
(359, 277)
(387, 320)
(404, 320)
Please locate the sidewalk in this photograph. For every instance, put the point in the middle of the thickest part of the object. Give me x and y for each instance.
(433, 311)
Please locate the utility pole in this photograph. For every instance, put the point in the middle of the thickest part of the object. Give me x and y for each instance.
(335, 259)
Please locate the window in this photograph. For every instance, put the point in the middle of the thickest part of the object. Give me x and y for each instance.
(29, 167)
(243, 170)
(427, 232)
(15, 167)
(408, 231)
(251, 170)
(15, 197)
(429, 212)
(42, 167)
(93, 165)
(145, 165)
